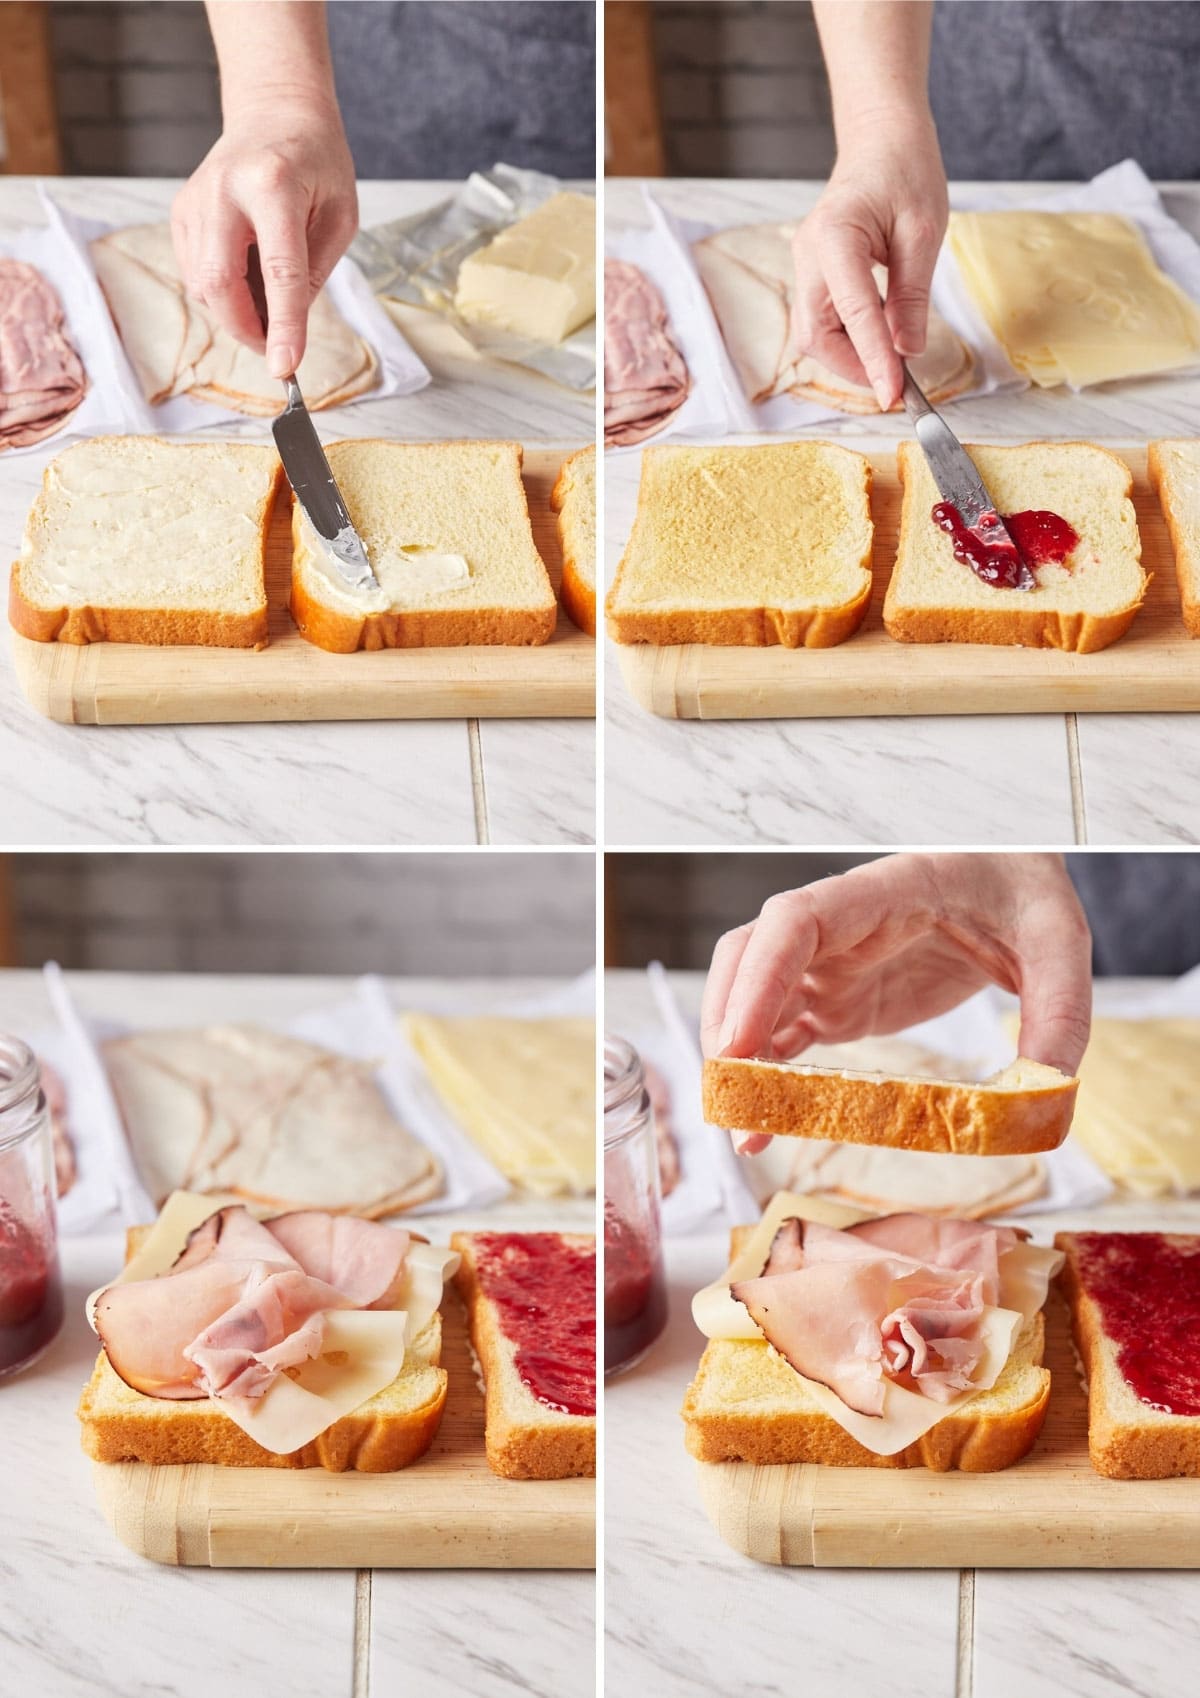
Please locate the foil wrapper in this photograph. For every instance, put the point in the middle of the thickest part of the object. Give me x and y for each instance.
(417, 259)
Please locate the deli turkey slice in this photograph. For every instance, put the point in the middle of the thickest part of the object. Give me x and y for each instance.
(246, 1111)
(41, 376)
(645, 377)
(749, 276)
(177, 347)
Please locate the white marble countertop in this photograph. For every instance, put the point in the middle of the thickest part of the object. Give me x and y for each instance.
(1008, 779)
(367, 783)
(685, 1614)
(82, 1617)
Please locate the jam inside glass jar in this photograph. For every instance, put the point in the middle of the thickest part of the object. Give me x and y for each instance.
(635, 1283)
(31, 1295)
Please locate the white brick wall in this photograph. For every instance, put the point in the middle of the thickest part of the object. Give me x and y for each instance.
(308, 913)
(136, 84)
(743, 89)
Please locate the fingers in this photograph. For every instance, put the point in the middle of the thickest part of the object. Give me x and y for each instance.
(280, 222)
(910, 273)
(330, 233)
(217, 275)
(845, 255)
(773, 961)
(1055, 963)
(721, 974)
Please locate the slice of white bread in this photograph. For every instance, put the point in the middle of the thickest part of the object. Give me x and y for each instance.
(1023, 1109)
(1081, 606)
(747, 546)
(385, 1433)
(445, 500)
(1174, 468)
(525, 1439)
(132, 539)
(1127, 1439)
(747, 1404)
(574, 500)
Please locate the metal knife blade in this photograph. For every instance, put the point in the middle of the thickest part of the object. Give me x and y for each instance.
(957, 478)
(308, 471)
(317, 492)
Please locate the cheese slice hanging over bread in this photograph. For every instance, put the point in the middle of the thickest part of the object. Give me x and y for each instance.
(1175, 474)
(1074, 297)
(446, 527)
(136, 540)
(747, 546)
(1083, 605)
(524, 1091)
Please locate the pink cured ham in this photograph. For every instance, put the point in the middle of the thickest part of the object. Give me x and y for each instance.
(41, 376)
(645, 377)
(900, 1298)
(240, 1304)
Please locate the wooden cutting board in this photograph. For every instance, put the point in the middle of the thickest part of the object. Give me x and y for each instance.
(1052, 1510)
(133, 684)
(1154, 668)
(446, 1511)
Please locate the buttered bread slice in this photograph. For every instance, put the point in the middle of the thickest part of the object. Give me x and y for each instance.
(1175, 474)
(1082, 604)
(446, 526)
(747, 546)
(136, 540)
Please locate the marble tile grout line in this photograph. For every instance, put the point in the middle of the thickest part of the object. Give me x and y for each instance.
(1075, 771)
(478, 787)
(360, 1668)
(964, 1667)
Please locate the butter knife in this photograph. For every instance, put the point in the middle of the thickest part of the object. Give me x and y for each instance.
(308, 471)
(960, 485)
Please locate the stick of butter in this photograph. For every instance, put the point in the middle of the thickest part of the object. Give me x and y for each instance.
(538, 277)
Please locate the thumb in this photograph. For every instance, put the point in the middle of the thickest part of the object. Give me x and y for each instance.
(1056, 1001)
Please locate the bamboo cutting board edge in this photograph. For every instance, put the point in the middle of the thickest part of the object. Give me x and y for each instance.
(1051, 1510)
(1155, 667)
(448, 1510)
(291, 679)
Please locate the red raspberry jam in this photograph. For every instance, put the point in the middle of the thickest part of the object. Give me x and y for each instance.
(1147, 1290)
(545, 1292)
(1039, 538)
(31, 1299)
(635, 1291)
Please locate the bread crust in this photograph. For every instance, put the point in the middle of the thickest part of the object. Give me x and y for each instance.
(1012, 621)
(907, 1114)
(1187, 571)
(556, 1447)
(342, 632)
(1139, 1443)
(161, 627)
(739, 627)
(577, 595)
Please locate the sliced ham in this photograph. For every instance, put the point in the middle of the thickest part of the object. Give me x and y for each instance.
(900, 1298)
(645, 377)
(246, 1300)
(42, 379)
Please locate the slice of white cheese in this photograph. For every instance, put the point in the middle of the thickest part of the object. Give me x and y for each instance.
(537, 279)
(1025, 1274)
(362, 1350)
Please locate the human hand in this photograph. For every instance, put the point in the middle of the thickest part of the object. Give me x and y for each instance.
(281, 177)
(897, 941)
(885, 204)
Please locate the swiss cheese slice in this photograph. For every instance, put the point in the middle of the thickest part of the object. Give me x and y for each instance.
(1074, 297)
(1138, 1109)
(362, 1350)
(1025, 1275)
(523, 1090)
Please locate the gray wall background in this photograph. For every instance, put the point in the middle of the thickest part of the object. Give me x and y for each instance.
(437, 914)
(743, 89)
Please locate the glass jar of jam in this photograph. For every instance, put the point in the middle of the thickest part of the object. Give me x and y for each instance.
(31, 1296)
(635, 1284)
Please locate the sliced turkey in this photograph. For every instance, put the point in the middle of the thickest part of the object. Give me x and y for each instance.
(645, 377)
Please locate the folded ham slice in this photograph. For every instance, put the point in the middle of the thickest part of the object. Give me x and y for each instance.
(645, 377)
(41, 376)
(900, 1298)
(246, 1300)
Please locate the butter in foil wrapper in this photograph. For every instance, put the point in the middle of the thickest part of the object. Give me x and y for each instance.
(417, 259)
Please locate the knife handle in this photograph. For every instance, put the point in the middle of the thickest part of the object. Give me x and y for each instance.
(255, 284)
